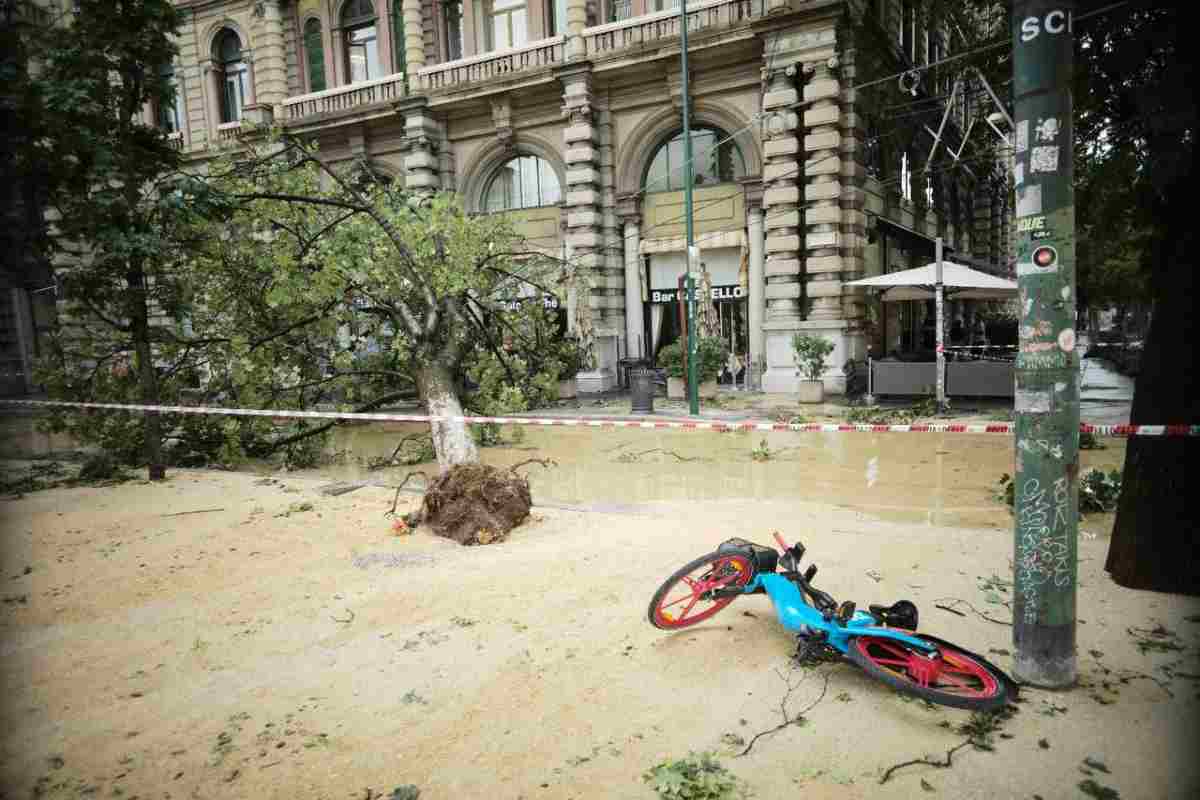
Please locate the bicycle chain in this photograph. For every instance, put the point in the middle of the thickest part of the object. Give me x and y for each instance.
(814, 650)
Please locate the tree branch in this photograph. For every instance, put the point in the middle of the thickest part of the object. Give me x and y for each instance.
(294, 198)
(371, 406)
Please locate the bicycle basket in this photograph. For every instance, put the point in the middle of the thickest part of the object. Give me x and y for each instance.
(764, 559)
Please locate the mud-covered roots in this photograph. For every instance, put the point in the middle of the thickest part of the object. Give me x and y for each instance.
(476, 503)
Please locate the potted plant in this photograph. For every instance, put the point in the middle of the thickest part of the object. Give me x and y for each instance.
(810, 353)
(712, 352)
(671, 360)
(572, 357)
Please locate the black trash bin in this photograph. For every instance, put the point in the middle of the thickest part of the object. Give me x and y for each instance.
(641, 390)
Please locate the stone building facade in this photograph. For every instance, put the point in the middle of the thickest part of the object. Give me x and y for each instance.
(566, 115)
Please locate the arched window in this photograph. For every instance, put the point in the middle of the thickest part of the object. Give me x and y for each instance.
(715, 159)
(522, 182)
(362, 41)
(231, 74)
(314, 53)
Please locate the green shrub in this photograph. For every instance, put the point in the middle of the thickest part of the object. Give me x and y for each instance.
(671, 359)
(1099, 491)
(810, 353)
(711, 354)
(697, 777)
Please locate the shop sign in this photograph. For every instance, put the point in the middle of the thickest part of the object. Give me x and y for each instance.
(730, 291)
(548, 301)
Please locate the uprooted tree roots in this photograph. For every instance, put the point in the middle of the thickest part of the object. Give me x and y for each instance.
(476, 503)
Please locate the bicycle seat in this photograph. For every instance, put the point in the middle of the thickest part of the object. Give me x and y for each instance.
(901, 614)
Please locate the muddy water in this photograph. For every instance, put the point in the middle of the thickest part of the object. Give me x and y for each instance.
(938, 479)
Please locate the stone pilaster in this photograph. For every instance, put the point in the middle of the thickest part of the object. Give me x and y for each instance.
(576, 22)
(414, 38)
(853, 177)
(585, 236)
(823, 191)
(610, 285)
(422, 167)
(783, 176)
(270, 55)
(635, 338)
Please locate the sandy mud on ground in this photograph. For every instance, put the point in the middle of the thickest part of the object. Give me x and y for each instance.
(225, 635)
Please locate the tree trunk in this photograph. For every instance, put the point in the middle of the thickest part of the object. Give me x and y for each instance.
(1154, 540)
(139, 318)
(451, 440)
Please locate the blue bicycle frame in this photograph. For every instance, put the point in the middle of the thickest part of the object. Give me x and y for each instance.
(797, 615)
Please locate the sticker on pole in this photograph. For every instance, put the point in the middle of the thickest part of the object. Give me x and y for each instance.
(1032, 401)
(1044, 261)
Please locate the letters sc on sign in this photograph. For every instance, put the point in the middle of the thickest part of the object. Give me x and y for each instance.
(1054, 22)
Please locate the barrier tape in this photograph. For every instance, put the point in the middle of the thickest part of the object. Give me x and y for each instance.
(805, 427)
(1014, 347)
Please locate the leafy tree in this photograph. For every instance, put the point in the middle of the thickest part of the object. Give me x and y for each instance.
(118, 206)
(1135, 68)
(330, 286)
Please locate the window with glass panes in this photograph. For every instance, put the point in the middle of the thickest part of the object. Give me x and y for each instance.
(522, 182)
(231, 74)
(314, 54)
(715, 159)
(452, 23)
(362, 41)
(505, 23)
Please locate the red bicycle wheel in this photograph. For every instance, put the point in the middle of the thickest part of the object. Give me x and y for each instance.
(953, 679)
(686, 597)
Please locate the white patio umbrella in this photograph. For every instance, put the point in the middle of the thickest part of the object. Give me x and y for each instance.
(958, 283)
(939, 280)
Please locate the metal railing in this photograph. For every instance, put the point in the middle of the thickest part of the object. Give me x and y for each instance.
(345, 98)
(489, 66)
(664, 25)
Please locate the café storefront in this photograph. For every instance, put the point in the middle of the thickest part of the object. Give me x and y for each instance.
(724, 266)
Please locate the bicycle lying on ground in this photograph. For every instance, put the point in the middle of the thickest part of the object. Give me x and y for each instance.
(883, 641)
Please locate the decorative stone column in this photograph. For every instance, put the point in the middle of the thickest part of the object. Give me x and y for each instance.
(635, 344)
(576, 22)
(782, 172)
(414, 38)
(823, 192)
(270, 56)
(757, 305)
(421, 165)
(584, 237)
(610, 284)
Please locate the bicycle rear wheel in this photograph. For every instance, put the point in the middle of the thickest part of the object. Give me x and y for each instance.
(957, 679)
(686, 598)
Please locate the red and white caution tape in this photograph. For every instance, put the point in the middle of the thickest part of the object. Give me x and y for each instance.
(689, 425)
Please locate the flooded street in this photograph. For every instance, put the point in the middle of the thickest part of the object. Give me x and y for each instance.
(925, 478)
(930, 478)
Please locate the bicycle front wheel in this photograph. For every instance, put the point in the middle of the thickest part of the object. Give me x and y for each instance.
(957, 679)
(686, 597)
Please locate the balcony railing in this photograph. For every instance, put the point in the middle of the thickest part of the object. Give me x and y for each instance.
(345, 98)
(489, 66)
(228, 131)
(663, 26)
